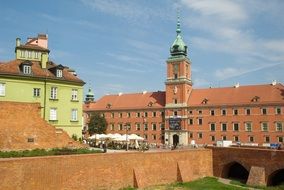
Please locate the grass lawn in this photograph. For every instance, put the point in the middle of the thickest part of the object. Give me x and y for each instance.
(43, 152)
(207, 183)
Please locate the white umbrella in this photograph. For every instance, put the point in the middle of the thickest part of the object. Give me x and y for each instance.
(135, 137)
(121, 138)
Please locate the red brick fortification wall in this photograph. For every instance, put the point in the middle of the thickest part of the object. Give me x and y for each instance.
(22, 121)
(104, 171)
(260, 163)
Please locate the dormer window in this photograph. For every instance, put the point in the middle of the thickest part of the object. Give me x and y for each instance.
(255, 99)
(59, 73)
(27, 69)
(204, 101)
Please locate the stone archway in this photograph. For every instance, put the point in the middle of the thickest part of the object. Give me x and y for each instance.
(175, 140)
(276, 178)
(235, 171)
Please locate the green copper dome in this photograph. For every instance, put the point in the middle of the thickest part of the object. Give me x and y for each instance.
(178, 47)
(90, 96)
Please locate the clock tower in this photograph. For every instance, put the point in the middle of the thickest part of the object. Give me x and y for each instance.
(178, 88)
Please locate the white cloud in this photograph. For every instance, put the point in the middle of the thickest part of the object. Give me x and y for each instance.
(274, 45)
(225, 10)
(200, 82)
(230, 72)
(129, 10)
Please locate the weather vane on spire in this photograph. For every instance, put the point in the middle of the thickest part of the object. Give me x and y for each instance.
(178, 21)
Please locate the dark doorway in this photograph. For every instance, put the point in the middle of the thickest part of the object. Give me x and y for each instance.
(175, 140)
(276, 178)
(235, 171)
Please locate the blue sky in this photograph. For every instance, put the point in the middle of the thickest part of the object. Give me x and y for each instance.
(122, 45)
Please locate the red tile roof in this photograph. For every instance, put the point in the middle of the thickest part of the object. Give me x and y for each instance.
(267, 93)
(13, 68)
(32, 47)
(243, 95)
(128, 101)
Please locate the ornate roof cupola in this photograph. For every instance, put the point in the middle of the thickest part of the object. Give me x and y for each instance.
(90, 97)
(178, 47)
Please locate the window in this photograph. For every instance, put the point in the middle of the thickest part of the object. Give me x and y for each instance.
(200, 135)
(248, 126)
(175, 101)
(27, 69)
(224, 126)
(263, 111)
(267, 139)
(212, 112)
(175, 113)
(154, 137)
(36, 92)
(22, 54)
(190, 112)
(199, 121)
(74, 115)
(74, 94)
(280, 139)
(112, 115)
(224, 112)
(279, 126)
(190, 121)
(175, 75)
(264, 126)
(26, 53)
(236, 138)
(154, 114)
(128, 114)
(53, 114)
(120, 115)
(191, 135)
(236, 127)
(224, 138)
(162, 126)
(112, 127)
(53, 93)
(120, 127)
(212, 138)
(145, 137)
(236, 111)
(59, 73)
(138, 114)
(251, 139)
(36, 55)
(138, 126)
(278, 110)
(154, 126)
(29, 54)
(145, 127)
(2, 89)
(162, 113)
(199, 111)
(145, 114)
(212, 127)
(247, 111)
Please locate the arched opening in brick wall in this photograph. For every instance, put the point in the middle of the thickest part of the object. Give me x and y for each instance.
(235, 171)
(276, 178)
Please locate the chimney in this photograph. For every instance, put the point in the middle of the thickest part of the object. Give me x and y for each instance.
(18, 42)
(237, 85)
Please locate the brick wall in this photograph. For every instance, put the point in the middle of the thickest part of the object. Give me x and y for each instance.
(261, 160)
(104, 171)
(22, 121)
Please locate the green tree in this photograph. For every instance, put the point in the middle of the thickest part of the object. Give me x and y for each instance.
(97, 124)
